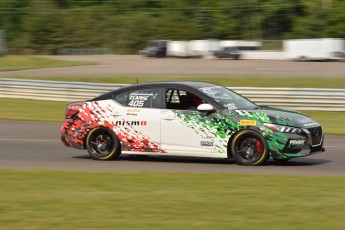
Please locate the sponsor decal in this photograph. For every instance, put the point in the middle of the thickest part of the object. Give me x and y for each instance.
(138, 100)
(206, 143)
(247, 122)
(140, 97)
(131, 123)
(297, 142)
(132, 114)
(244, 113)
(205, 89)
(230, 106)
(136, 103)
(133, 110)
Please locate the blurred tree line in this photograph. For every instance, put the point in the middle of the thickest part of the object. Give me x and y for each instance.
(125, 26)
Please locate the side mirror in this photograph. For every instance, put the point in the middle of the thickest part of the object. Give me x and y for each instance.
(205, 108)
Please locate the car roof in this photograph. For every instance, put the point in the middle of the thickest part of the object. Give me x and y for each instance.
(181, 84)
(192, 84)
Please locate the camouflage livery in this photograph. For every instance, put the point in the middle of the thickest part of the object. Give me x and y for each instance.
(98, 114)
(195, 119)
(223, 126)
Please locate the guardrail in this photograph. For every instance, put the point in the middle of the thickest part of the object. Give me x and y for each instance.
(294, 98)
(86, 51)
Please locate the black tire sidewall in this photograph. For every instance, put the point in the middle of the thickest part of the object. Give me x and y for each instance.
(115, 153)
(245, 133)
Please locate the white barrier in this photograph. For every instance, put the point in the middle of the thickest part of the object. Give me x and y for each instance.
(294, 98)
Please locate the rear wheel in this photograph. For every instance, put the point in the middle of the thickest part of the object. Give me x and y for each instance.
(102, 144)
(249, 148)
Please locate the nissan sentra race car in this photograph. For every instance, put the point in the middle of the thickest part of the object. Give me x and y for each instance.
(195, 119)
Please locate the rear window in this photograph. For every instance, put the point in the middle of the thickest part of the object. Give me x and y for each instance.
(144, 98)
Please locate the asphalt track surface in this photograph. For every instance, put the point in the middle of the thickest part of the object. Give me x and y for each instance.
(32, 145)
(135, 65)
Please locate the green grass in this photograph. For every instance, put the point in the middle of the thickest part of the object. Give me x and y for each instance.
(21, 62)
(295, 82)
(34, 110)
(77, 200)
(332, 122)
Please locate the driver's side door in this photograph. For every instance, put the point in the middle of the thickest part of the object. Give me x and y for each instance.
(182, 127)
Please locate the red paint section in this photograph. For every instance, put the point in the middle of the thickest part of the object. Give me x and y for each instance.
(91, 115)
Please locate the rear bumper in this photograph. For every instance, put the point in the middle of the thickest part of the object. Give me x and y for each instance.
(73, 133)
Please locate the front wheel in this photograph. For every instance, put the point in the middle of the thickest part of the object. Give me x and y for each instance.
(249, 148)
(102, 144)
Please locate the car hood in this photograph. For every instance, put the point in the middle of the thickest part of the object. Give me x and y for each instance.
(278, 116)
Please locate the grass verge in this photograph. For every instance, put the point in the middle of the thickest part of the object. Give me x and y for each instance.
(332, 122)
(21, 62)
(51, 111)
(77, 200)
(231, 81)
(32, 110)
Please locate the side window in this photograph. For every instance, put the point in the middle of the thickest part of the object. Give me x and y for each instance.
(173, 97)
(122, 98)
(182, 100)
(145, 98)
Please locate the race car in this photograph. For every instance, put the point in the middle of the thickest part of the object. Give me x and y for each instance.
(195, 119)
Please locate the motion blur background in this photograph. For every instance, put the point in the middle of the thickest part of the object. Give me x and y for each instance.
(124, 27)
(56, 51)
(73, 32)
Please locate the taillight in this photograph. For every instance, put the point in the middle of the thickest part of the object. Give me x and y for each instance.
(70, 113)
(73, 109)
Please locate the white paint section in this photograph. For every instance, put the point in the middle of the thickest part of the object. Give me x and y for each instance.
(184, 140)
(133, 123)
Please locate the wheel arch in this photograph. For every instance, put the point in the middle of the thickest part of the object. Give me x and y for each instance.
(253, 128)
(100, 127)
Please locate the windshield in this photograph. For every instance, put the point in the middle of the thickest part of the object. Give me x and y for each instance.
(227, 98)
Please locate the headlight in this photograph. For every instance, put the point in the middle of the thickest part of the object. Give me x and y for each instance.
(282, 128)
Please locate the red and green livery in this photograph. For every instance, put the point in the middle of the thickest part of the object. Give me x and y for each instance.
(188, 119)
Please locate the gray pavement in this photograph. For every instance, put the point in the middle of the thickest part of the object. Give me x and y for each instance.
(32, 145)
(135, 65)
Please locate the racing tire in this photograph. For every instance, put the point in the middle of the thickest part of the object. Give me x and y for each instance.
(103, 144)
(248, 147)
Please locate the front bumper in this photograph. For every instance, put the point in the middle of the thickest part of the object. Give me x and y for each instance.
(309, 142)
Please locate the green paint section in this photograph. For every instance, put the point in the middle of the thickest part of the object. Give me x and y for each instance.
(276, 141)
(220, 126)
(224, 126)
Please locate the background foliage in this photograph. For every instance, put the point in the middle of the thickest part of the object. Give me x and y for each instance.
(45, 26)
